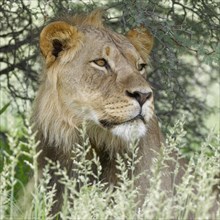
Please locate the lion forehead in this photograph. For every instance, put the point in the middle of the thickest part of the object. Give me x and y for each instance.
(109, 41)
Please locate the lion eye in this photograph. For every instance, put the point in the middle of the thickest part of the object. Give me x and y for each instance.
(101, 62)
(141, 66)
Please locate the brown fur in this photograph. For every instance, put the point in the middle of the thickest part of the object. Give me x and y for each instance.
(75, 89)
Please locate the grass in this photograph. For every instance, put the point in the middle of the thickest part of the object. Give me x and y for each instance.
(194, 195)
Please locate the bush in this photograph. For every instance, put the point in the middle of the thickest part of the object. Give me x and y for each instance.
(194, 195)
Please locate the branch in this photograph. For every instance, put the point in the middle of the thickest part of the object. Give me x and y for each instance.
(19, 65)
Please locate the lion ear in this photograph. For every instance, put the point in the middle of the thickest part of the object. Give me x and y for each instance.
(56, 38)
(142, 40)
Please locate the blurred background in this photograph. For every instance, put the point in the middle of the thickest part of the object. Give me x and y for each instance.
(183, 70)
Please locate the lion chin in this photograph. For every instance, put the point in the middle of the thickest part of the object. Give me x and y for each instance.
(130, 131)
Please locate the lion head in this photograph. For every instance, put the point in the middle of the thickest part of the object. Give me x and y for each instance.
(96, 75)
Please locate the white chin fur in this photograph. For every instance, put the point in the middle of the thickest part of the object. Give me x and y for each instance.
(129, 131)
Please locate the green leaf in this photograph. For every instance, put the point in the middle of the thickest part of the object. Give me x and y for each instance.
(4, 108)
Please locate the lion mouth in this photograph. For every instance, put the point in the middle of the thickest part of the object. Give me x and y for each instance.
(108, 124)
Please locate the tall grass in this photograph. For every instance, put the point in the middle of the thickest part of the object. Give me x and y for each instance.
(95, 201)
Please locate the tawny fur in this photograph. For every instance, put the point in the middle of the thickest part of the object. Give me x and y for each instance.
(74, 90)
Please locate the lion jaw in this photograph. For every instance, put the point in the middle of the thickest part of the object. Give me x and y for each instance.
(130, 131)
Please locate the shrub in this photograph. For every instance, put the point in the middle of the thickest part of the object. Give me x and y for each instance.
(194, 195)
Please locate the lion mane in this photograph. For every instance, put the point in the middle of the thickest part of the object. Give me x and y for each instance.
(95, 76)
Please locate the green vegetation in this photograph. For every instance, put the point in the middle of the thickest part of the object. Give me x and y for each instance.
(97, 202)
(183, 68)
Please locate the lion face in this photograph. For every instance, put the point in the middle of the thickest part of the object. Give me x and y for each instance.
(99, 76)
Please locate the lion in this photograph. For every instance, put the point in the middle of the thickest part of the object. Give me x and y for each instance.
(96, 76)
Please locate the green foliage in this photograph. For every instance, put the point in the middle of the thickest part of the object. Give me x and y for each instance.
(98, 202)
(4, 108)
(185, 59)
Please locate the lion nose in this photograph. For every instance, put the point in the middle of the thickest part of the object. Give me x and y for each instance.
(141, 97)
